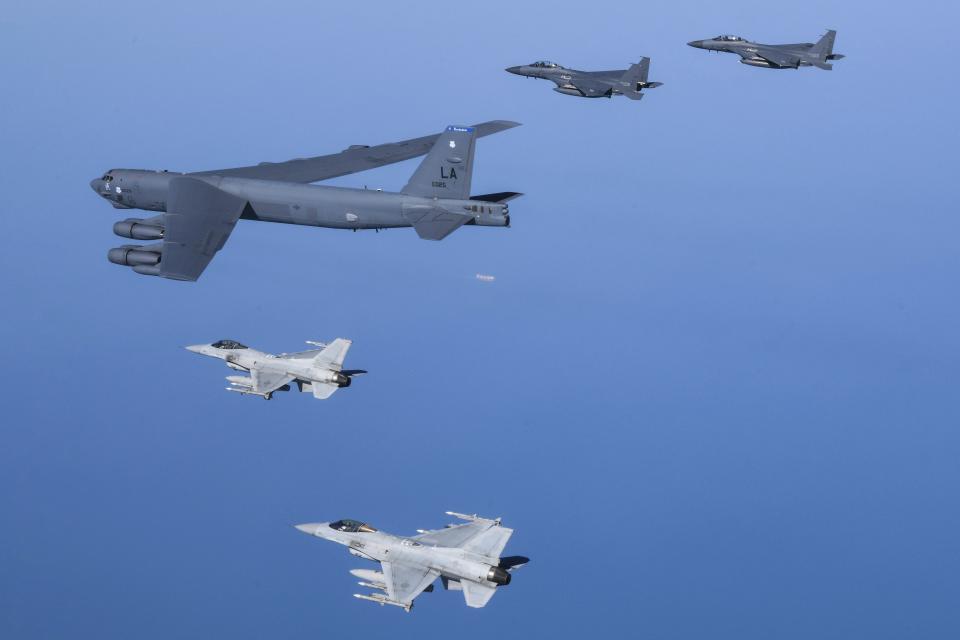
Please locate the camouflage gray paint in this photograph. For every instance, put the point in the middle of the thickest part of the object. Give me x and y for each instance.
(775, 56)
(592, 84)
(199, 210)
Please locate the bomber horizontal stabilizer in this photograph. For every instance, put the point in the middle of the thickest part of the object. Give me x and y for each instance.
(501, 197)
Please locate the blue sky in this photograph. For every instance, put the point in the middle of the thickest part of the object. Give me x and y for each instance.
(713, 387)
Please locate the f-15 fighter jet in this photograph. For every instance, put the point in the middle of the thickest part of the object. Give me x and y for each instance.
(466, 557)
(591, 84)
(776, 56)
(318, 370)
(199, 210)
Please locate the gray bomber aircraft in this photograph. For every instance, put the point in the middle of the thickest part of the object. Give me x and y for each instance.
(466, 557)
(319, 371)
(592, 84)
(776, 56)
(199, 210)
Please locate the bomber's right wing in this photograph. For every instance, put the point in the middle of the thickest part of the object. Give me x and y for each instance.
(351, 160)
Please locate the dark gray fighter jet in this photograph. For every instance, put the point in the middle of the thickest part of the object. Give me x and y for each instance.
(775, 56)
(591, 84)
(199, 210)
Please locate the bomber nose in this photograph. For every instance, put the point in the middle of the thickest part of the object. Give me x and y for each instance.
(95, 184)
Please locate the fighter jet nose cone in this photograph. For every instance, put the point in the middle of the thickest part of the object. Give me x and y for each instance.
(694, 43)
(512, 69)
(196, 348)
(309, 529)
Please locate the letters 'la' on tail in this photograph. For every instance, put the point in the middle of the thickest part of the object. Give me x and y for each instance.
(447, 170)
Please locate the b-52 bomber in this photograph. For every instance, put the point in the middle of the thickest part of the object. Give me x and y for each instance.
(199, 210)
(776, 56)
(592, 84)
(319, 371)
(466, 557)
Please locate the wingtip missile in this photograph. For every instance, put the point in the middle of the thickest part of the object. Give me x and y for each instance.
(382, 600)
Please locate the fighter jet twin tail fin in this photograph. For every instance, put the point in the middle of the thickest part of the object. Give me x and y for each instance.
(636, 79)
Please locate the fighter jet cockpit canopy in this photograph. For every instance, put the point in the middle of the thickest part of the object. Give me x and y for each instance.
(545, 64)
(351, 526)
(228, 344)
(729, 38)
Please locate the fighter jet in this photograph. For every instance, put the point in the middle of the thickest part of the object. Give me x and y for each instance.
(317, 370)
(776, 56)
(591, 84)
(466, 557)
(199, 210)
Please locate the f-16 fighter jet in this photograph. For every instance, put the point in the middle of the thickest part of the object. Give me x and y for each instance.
(318, 370)
(466, 557)
(592, 84)
(776, 56)
(199, 210)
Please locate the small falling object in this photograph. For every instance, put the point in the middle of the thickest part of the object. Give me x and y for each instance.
(483, 277)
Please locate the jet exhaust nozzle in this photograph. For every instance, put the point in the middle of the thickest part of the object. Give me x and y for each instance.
(498, 576)
(343, 381)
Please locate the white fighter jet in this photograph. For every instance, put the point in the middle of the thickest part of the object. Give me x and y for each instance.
(318, 370)
(466, 557)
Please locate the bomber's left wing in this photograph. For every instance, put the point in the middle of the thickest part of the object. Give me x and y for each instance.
(198, 221)
(355, 158)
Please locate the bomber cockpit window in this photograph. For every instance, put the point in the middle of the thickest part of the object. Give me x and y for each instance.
(351, 526)
(228, 344)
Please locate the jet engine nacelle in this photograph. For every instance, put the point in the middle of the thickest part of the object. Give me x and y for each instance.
(134, 256)
(498, 576)
(136, 229)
